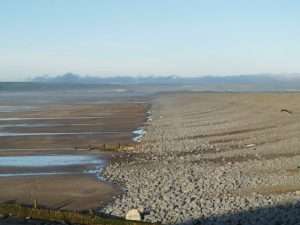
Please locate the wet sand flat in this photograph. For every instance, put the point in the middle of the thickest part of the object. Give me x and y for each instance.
(71, 192)
(70, 126)
(57, 130)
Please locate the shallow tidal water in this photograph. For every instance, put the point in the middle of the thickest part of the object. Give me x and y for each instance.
(51, 164)
(41, 116)
(51, 136)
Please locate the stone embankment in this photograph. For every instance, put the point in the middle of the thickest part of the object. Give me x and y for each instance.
(214, 159)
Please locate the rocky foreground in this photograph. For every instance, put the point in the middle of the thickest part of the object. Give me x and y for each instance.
(215, 159)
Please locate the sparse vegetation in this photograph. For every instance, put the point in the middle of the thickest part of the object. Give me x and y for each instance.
(61, 216)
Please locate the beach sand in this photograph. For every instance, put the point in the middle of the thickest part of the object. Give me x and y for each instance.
(87, 126)
(70, 126)
(69, 192)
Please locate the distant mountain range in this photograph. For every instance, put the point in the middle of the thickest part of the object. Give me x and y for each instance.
(257, 82)
(119, 80)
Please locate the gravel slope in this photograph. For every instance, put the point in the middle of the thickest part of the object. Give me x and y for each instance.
(215, 159)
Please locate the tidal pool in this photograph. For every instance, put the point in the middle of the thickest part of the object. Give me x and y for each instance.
(52, 164)
(48, 160)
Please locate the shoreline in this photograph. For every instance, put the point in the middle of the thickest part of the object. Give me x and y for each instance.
(72, 186)
(211, 159)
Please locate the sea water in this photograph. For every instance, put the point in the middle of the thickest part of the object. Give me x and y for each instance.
(51, 162)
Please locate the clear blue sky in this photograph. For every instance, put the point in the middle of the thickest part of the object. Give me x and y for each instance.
(110, 37)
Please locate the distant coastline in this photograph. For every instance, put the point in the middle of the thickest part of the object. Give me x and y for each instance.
(235, 83)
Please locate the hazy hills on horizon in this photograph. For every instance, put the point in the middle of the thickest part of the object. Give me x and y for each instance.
(256, 82)
(76, 78)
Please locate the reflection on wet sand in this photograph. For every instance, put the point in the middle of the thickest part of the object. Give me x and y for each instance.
(41, 165)
(45, 153)
(71, 126)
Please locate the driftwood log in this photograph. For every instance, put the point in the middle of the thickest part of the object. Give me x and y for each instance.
(286, 110)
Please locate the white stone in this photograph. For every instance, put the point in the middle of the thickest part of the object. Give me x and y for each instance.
(133, 214)
(250, 145)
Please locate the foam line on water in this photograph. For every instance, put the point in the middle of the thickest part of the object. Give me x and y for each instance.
(97, 171)
(139, 134)
(149, 116)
